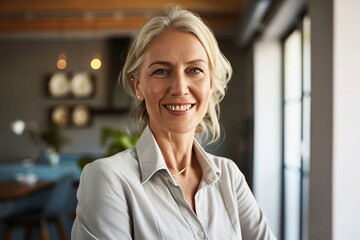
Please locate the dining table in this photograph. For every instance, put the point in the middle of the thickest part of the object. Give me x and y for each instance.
(13, 189)
(19, 192)
(22, 187)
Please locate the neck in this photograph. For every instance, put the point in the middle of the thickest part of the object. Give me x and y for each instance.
(176, 150)
(177, 154)
(178, 173)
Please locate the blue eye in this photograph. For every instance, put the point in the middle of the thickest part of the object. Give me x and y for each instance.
(195, 71)
(160, 72)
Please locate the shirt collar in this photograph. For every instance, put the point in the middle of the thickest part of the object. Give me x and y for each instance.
(211, 173)
(151, 159)
(149, 154)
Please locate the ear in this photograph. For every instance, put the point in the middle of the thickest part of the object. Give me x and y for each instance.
(211, 84)
(137, 87)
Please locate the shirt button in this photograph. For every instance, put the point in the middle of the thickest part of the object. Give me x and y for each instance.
(201, 234)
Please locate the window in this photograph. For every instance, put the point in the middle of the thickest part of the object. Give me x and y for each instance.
(296, 132)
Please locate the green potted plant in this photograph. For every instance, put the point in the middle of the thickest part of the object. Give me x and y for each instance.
(53, 141)
(115, 140)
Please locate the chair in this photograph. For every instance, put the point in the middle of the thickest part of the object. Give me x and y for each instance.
(50, 213)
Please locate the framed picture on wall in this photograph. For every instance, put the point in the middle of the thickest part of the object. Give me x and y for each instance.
(78, 85)
(58, 86)
(71, 116)
(60, 115)
(80, 116)
(82, 85)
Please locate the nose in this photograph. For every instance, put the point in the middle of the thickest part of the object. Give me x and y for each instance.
(179, 85)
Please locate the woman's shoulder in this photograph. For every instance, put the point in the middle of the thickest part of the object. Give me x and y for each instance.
(221, 161)
(225, 165)
(123, 164)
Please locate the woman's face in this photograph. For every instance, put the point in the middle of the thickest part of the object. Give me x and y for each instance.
(175, 82)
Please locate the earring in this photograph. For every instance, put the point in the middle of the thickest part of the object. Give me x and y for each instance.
(139, 97)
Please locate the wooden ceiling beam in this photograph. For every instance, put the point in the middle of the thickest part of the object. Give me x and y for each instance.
(26, 16)
(104, 24)
(68, 25)
(8, 6)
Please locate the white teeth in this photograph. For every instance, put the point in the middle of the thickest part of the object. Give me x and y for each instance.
(179, 108)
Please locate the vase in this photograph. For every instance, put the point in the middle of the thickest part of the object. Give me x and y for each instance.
(53, 157)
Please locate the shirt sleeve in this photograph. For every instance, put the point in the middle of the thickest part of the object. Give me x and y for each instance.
(253, 222)
(102, 211)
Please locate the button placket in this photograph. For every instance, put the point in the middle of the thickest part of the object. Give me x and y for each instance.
(201, 203)
(190, 217)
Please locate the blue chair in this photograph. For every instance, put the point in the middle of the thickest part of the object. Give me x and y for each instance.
(49, 213)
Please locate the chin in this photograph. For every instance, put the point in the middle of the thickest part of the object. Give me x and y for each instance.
(181, 129)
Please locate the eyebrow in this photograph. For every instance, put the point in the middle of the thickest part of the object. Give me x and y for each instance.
(169, 64)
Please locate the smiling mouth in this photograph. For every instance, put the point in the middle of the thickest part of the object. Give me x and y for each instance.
(179, 107)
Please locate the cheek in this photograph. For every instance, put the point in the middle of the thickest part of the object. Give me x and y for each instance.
(152, 92)
(205, 90)
(153, 95)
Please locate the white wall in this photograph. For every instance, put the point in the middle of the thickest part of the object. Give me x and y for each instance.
(335, 123)
(346, 114)
(267, 130)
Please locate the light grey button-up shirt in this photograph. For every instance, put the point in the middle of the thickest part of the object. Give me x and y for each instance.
(132, 195)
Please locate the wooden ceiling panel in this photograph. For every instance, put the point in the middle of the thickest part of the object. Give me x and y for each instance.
(26, 16)
(95, 5)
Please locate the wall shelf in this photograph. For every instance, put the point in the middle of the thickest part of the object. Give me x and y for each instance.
(109, 111)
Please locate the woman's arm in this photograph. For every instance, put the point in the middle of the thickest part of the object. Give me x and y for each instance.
(102, 211)
(252, 220)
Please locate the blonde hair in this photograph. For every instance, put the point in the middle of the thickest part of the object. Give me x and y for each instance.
(177, 18)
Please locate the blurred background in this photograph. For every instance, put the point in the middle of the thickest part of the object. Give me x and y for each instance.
(290, 119)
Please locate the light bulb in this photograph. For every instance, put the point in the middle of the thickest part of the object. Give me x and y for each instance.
(95, 63)
(18, 127)
(61, 62)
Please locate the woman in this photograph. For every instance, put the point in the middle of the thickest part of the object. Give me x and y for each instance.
(168, 187)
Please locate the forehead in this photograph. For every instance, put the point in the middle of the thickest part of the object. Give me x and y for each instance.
(173, 45)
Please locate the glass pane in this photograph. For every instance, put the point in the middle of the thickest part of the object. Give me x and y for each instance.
(292, 135)
(306, 134)
(307, 55)
(305, 210)
(292, 66)
(292, 205)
